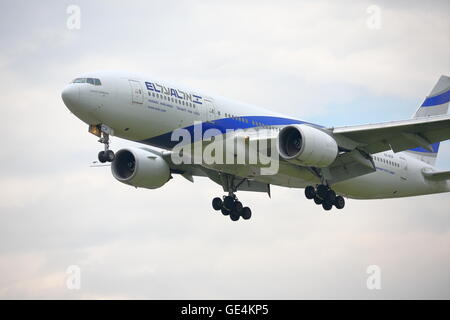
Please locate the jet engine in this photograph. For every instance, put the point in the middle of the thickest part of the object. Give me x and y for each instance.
(307, 146)
(140, 168)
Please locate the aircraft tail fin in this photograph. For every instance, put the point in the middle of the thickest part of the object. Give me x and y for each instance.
(436, 103)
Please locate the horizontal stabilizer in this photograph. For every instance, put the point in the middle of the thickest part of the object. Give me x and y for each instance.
(436, 176)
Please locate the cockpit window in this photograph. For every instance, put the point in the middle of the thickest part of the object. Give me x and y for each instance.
(79, 80)
(93, 81)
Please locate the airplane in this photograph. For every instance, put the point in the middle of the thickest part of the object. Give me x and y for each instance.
(369, 161)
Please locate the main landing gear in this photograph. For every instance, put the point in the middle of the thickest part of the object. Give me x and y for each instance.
(231, 206)
(325, 196)
(107, 155)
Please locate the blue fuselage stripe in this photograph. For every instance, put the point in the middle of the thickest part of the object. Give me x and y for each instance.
(222, 125)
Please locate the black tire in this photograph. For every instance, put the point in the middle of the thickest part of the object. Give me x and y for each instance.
(310, 192)
(317, 200)
(228, 202)
(246, 213)
(217, 204)
(339, 202)
(238, 206)
(327, 206)
(322, 191)
(225, 211)
(110, 156)
(102, 157)
(234, 216)
(331, 196)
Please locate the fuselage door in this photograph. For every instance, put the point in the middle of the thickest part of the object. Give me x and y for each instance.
(403, 163)
(137, 95)
(404, 168)
(209, 110)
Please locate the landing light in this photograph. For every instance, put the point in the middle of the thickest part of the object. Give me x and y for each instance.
(95, 130)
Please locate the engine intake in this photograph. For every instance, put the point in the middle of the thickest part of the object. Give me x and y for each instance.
(140, 168)
(307, 146)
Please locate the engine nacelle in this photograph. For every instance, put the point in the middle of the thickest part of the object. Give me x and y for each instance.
(307, 146)
(140, 168)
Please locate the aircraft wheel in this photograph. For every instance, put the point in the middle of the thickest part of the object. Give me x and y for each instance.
(246, 213)
(217, 204)
(317, 200)
(109, 156)
(228, 202)
(102, 157)
(331, 196)
(327, 206)
(310, 192)
(339, 202)
(238, 206)
(234, 216)
(322, 191)
(225, 211)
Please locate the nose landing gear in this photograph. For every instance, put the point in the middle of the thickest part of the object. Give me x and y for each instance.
(106, 155)
(325, 196)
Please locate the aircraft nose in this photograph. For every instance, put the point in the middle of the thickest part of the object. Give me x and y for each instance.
(70, 96)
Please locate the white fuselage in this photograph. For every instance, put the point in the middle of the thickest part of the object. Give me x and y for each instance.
(147, 110)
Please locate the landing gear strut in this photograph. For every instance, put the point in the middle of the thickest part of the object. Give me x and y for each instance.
(325, 196)
(107, 155)
(231, 206)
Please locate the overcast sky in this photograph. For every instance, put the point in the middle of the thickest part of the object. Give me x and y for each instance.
(316, 60)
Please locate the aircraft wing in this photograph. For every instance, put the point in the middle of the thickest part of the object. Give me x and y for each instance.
(396, 135)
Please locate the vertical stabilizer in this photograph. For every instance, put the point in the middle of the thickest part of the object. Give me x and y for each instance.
(436, 103)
